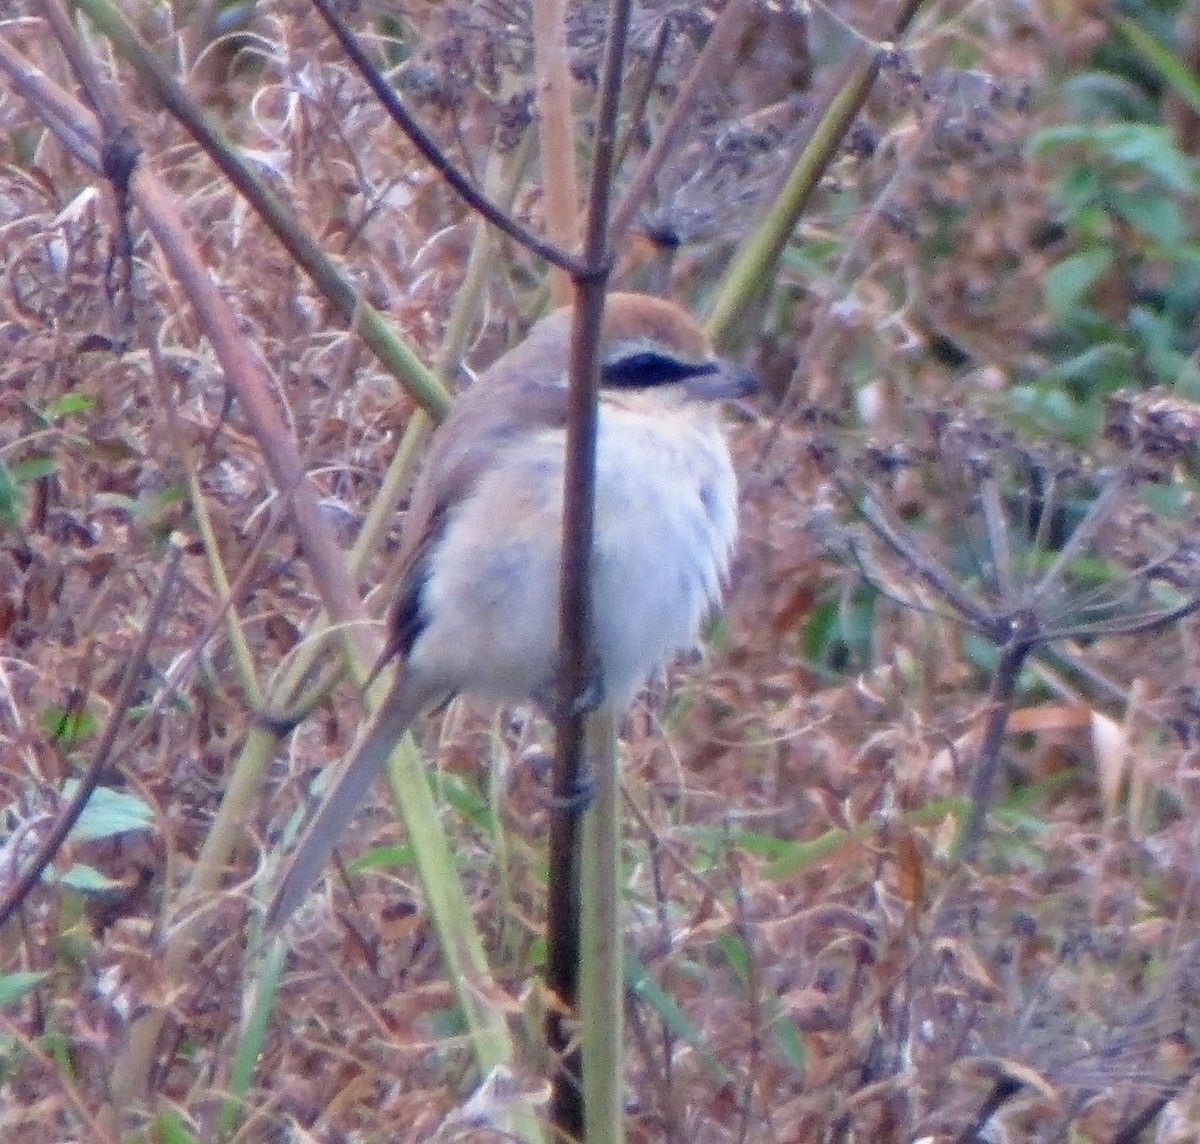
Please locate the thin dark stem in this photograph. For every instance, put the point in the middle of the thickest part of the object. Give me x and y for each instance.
(1049, 498)
(1000, 703)
(929, 570)
(577, 666)
(84, 68)
(1135, 625)
(69, 814)
(1080, 538)
(1131, 1132)
(998, 541)
(709, 64)
(590, 277)
(437, 158)
(639, 102)
(876, 582)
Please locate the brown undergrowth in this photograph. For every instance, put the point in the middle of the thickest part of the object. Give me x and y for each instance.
(811, 962)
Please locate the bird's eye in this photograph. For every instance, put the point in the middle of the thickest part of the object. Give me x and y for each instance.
(646, 368)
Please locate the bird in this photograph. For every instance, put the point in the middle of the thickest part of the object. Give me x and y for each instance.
(476, 608)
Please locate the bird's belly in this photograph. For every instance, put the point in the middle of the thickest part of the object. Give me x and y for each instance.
(664, 527)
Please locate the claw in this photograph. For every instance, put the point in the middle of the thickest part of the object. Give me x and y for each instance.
(590, 699)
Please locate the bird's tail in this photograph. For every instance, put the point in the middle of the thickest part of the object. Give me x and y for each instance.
(342, 798)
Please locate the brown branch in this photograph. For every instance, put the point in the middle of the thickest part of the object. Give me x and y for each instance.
(437, 158)
(577, 662)
(69, 815)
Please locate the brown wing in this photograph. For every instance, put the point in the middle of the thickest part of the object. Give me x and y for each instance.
(486, 420)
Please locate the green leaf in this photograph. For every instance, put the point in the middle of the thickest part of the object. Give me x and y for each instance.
(788, 1038)
(818, 633)
(14, 986)
(783, 1028)
(804, 854)
(1099, 368)
(1174, 70)
(1105, 95)
(469, 803)
(1152, 150)
(1156, 216)
(10, 498)
(83, 878)
(119, 502)
(1065, 134)
(752, 842)
(1046, 408)
(171, 1129)
(68, 404)
(1078, 190)
(34, 469)
(68, 729)
(108, 813)
(736, 953)
(1069, 281)
(384, 858)
(643, 986)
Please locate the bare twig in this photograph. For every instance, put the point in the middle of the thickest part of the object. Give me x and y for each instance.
(929, 570)
(438, 159)
(710, 64)
(577, 663)
(130, 680)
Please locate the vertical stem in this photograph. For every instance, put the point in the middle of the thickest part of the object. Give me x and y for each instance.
(577, 668)
(602, 987)
(562, 907)
(1000, 701)
(556, 127)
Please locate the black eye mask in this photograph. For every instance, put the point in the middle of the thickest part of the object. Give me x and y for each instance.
(646, 368)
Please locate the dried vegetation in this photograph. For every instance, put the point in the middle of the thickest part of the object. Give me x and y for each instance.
(818, 963)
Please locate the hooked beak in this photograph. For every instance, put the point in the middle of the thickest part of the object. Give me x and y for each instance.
(722, 381)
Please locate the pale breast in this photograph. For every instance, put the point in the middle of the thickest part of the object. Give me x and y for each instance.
(666, 520)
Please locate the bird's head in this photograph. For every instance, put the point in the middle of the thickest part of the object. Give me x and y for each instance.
(647, 344)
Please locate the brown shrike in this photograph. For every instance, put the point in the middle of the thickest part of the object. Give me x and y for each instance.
(477, 607)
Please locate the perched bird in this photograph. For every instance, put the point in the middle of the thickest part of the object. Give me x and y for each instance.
(477, 605)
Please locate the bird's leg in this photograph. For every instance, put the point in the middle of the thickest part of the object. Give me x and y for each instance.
(576, 803)
(560, 707)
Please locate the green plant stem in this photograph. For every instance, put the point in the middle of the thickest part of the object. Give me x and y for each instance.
(602, 980)
(338, 289)
(461, 946)
(753, 266)
(264, 990)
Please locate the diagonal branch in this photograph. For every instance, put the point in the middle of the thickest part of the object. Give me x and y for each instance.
(436, 157)
(929, 570)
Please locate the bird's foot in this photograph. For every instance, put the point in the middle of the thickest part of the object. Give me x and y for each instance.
(561, 708)
(577, 803)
